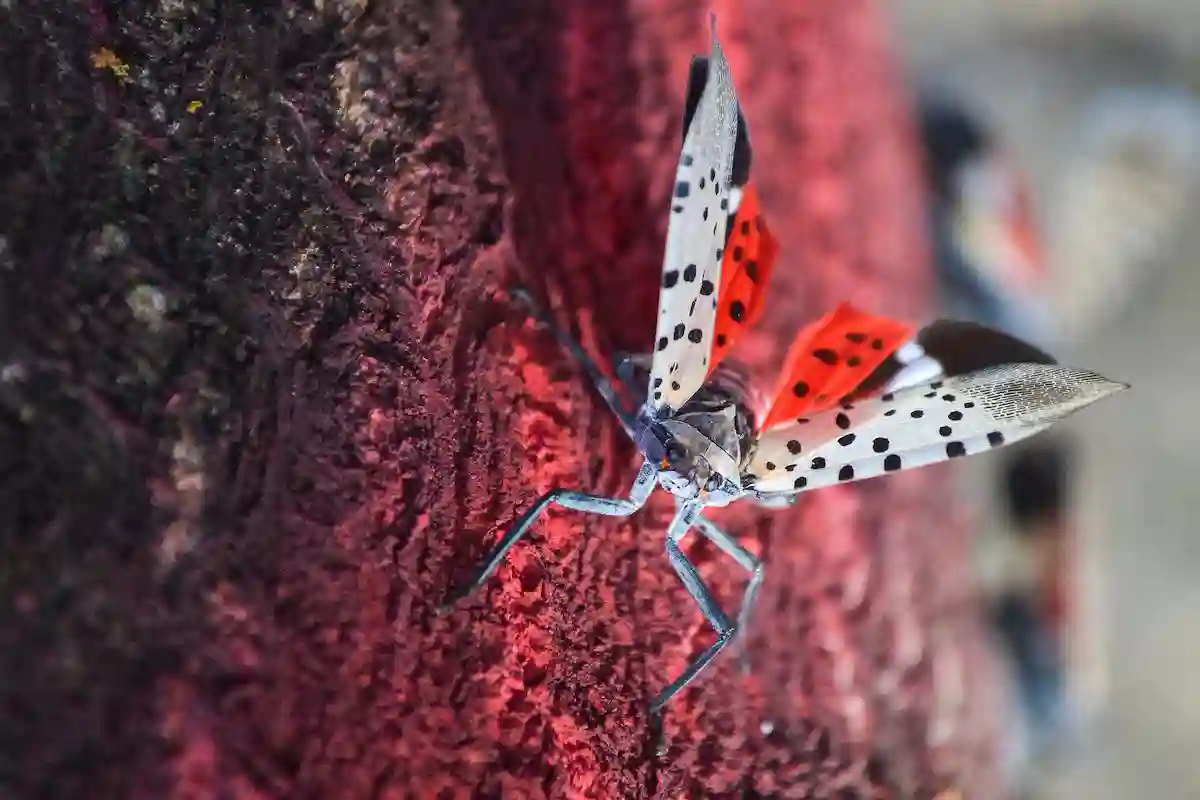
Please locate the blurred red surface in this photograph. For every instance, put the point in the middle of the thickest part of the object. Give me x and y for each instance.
(389, 437)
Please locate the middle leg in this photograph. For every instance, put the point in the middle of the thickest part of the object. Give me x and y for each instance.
(709, 607)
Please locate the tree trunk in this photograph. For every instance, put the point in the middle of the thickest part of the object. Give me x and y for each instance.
(264, 401)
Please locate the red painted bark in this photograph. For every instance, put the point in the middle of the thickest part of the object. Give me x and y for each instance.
(396, 411)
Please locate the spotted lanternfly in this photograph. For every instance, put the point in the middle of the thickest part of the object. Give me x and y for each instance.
(860, 395)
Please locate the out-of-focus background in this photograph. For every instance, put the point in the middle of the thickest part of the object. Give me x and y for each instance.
(1097, 99)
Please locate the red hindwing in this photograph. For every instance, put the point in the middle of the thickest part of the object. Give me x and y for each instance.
(830, 358)
(750, 253)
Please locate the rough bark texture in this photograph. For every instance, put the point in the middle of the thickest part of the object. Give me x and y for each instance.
(263, 401)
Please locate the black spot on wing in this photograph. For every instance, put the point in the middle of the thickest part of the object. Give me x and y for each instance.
(826, 356)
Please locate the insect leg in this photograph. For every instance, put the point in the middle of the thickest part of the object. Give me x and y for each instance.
(626, 365)
(599, 380)
(748, 562)
(708, 606)
(782, 500)
(577, 501)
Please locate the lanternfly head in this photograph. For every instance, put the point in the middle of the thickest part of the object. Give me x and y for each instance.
(691, 466)
(679, 472)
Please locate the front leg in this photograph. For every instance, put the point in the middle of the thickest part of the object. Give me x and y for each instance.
(599, 380)
(578, 501)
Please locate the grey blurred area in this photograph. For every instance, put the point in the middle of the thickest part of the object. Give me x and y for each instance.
(1099, 100)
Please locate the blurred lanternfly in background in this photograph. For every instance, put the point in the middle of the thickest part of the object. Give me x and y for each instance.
(1062, 148)
(991, 268)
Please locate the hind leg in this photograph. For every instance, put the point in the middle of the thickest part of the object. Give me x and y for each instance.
(709, 607)
(730, 546)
